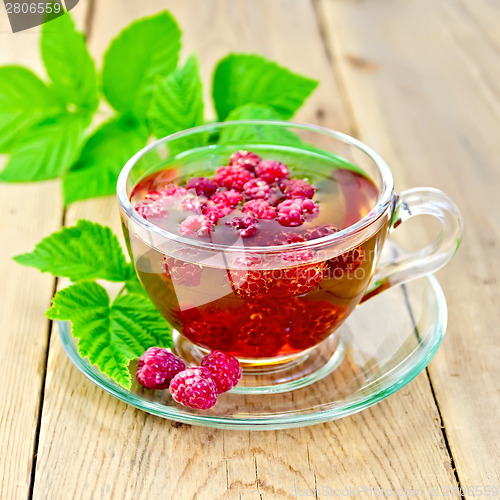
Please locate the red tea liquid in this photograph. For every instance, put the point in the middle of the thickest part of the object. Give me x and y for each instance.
(255, 310)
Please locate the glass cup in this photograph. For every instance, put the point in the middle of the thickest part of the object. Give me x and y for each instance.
(277, 306)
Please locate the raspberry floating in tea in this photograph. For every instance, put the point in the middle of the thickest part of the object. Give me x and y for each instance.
(239, 196)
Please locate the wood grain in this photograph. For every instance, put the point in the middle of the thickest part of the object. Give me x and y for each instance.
(431, 106)
(93, 446)
(29, 212)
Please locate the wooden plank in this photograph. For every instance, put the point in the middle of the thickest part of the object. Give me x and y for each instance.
(94, 446)
(29, 212)
(422, 77)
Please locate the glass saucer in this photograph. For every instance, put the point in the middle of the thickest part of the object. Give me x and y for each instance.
(386, 342)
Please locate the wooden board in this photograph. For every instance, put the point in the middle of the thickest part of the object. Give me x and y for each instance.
(92, 446)
(29, 212)
(422, 78)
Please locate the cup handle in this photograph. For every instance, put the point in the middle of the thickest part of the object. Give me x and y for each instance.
(412, 265)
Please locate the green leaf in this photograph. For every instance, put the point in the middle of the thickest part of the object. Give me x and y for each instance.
(247, 78)
(177, 102)
(110, 336)
(24, 100)
(257, 134)
(47, 149)
(82, 252)
(68, 63)
(103, 156)
(142, 52)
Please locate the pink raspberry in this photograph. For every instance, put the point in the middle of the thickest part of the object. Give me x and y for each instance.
(257, 188)
(149, 209)
(292, 212)
(172, 190)
(181, 272)
(297, 188)
(245, 159)
(157, 367)
(252, 284)
(196, 224)
(287, 238)
(230, 198)
(215, 211)
(194, 388)
(301, 278)
(224, 368)
(193, 203)
(260, 209)
(249, 279)
(319, 232)
(271, 171)
(345, 263)
(202, 186)
(232, 177)
(246, 226)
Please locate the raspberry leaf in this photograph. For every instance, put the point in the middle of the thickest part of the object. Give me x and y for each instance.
(110, 335)
(103, 156)
(146, 49)
(248, 78)
(68, 63)
(47, 149)
(85, 251)
(24, 100)
(261, 134)
(177, 102)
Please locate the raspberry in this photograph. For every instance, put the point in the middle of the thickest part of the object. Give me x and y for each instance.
(181, 272)
(202, 186)
(252, 283)
(246, 226)
(211, 328)
(260, 209)
(215, 211)
(299, 279)
(271, 171)
(297, 188)
(173, 190)
(287, 238)
(260, 337)
(196, 224)
(245, 159)
(224, 369)
(291, 212)
(232, 177)
(345, 263)
(230, 198)
(193, 203)
(319, 232)
(314, 321)
(256, 188)
(157, 367)
(194, 388)
(149, 209)
(277, 310)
